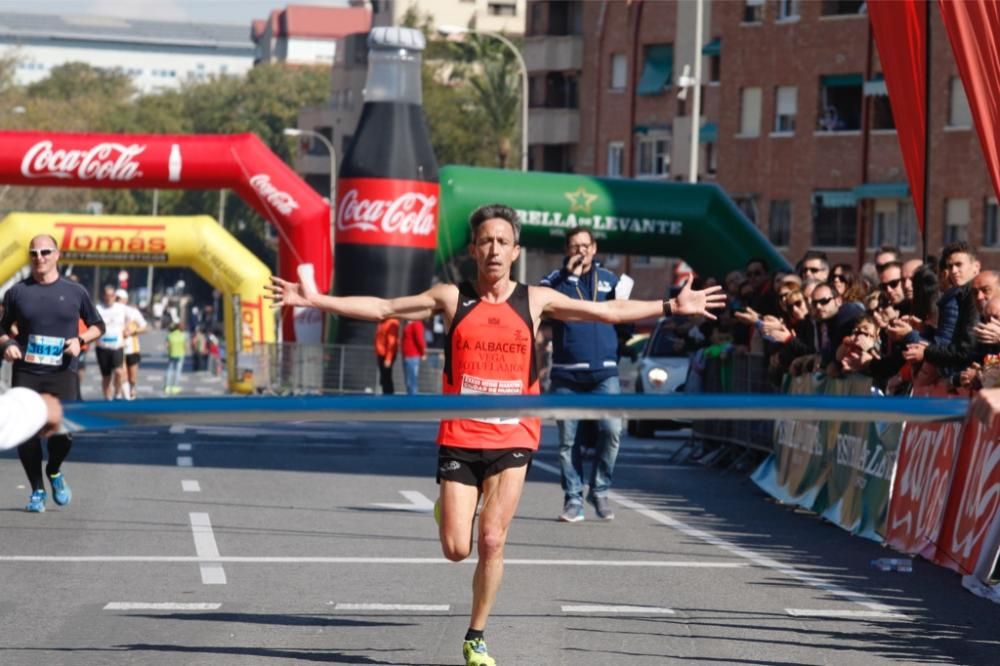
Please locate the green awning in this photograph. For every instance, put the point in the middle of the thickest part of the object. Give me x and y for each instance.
(835, 198)
(876, 87)
(657, 70)
(713, 48)
(882, 191)
(709, 133)
(841, 80)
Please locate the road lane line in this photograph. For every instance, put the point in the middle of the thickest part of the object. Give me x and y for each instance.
(190, 486)
(183, 447)
(139, 605)
(739, 551)
(420, 608)
(415, 501)
(239, 559)
(628, 610)
(185, 461)
(205, 546)
(845, 614)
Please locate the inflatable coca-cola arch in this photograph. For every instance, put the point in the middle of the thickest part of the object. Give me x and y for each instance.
(240, 162)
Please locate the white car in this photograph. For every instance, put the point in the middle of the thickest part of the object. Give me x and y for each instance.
(661, 369)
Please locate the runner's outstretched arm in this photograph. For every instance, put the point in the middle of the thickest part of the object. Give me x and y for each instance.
(420, 306)
(688, 302)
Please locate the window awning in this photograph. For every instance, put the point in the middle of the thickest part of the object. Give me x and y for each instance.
(708, 133)
(841, 80)
(876, 87)
(653, 127)
(713, 48)
(882, 191)
(657, 70)
(835, 198)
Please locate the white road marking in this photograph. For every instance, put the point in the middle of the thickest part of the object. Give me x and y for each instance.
(745, 553)
(421, 608)
(240, 559)
(631, 610)
(846, 614)
(178, 429)
(183, 447)
(416, 501)
(185, 461)
(139, 605)
(205, 546)
(189, 486)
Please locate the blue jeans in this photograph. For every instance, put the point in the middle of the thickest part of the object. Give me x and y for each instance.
(411, 370)
(174, 368)
(571, 450)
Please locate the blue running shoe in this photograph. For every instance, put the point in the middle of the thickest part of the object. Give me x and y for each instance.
(37, 502)
(475, 653)
(61, 491)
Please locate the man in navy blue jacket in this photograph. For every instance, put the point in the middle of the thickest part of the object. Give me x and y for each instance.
(585, 360)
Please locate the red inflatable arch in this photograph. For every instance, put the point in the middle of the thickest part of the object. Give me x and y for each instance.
(240, 162)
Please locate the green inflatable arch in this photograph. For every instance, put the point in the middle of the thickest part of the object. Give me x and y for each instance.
(696, 222)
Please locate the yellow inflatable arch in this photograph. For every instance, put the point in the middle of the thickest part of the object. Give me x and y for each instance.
(197, 242)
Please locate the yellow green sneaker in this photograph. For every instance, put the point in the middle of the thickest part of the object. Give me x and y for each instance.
(475, 653)
(437, 511)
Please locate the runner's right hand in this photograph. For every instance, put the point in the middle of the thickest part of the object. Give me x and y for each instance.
(12, 353)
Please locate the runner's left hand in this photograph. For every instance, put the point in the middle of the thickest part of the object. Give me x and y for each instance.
(283, 293)
(72, 348)
(690, 302)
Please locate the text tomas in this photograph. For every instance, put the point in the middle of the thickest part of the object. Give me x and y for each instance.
(97, 237)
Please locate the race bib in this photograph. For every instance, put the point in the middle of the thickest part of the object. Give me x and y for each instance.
(479, 386)
(109, 341)
(45, 350)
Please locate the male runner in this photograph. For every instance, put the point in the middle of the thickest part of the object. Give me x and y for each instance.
(111, 345)
(491, 326)
(135, 325)
(45, 310)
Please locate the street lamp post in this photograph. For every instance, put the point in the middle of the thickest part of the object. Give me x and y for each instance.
(686, 81)
(298, 132)
(449, 30)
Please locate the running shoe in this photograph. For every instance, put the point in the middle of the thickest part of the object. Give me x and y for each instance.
(475, 653)
(61, 491)
(602, 507)
(437, 511)
(37, 502)
(572, 511)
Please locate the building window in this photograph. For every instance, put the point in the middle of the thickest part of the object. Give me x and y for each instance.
(840, 102)
(619, 71)
(894, 223)
(653, 157)
(559, 158)
(788, 10)
(956, 220)
(747, 205)
(753, 11)
(991, 223)
(616, 158)
(843, 7)
(785, 106)
(565, 18)
(881, 111)
(834, 215)
(561, 92)
(536, 16)
(711, 158)
(501, 9)
(714, 68)
(959, 114)
(657, 69)
(779, 222)
(750, 112)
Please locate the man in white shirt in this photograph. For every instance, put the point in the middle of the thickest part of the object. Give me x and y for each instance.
(111, 345)
(23, 413)
(135, 324)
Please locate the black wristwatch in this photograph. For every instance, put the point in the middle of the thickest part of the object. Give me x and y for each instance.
(667, 308)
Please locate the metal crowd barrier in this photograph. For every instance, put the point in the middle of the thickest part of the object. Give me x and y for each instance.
(301, 369)
(744, 374)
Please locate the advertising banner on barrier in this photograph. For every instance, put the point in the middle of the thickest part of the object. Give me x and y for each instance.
(927, 456)
(842, 471)
(975, 493)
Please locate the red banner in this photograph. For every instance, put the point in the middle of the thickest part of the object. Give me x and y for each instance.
(975, 491)
(927, 455)
(200, 162)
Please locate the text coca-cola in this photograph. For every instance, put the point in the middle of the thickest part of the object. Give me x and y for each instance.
(281, 201)
(408, 219)
(105, 161)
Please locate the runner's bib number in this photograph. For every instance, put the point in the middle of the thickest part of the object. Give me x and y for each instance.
(109, 340)
(479, 386)
(45, 350)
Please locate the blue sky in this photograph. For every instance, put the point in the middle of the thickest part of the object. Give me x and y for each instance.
(239, 12)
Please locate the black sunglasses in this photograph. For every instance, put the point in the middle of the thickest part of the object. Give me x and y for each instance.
(812, 269)
(822, 301)
(44, 252)
(892, 284)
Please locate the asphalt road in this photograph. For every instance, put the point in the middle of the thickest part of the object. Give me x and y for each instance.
(313, 543)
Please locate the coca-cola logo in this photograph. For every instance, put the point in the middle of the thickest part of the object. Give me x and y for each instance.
(979, 495)
(411, 213)
(281, 201)
(925, 479)
(105, 161)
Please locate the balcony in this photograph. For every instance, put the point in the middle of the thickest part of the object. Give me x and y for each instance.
(553, 126)
(546, 53)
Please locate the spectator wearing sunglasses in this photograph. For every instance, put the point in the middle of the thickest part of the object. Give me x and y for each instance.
(834, 320)
(885, 255)
(814, 266)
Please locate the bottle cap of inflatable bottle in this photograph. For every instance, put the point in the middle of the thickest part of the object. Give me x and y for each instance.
(394, 65)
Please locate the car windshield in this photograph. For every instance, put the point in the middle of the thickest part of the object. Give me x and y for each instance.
(665, 342)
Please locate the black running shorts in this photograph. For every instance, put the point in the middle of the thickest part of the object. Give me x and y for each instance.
(470, 467)
(63, 385)
(109, 359)
(132, 359)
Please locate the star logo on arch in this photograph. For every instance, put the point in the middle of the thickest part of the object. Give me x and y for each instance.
(580, 200)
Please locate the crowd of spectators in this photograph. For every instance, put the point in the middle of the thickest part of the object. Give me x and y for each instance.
(905, 324)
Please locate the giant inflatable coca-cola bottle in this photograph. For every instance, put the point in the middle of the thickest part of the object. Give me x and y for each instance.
(387, 193)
